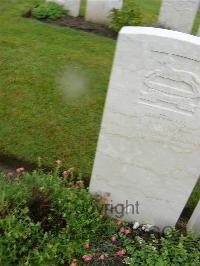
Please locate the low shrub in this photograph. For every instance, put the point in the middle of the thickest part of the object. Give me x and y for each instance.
(51, 219)
(172, 249)
(49, 10)
(45, 219)
(129, 15)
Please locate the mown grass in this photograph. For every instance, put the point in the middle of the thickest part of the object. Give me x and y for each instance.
(44, 111)
(150, 10)
(40, 117)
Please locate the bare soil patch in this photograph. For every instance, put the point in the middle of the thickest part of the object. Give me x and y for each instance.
(78, 23)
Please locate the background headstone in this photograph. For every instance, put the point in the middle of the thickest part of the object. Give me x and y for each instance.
(148, 148)
(199, 32)
(72, 5)
(98, 10)
(178, 14)
(194, 222)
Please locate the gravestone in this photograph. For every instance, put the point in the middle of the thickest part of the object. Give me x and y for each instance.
(72, 5)
(178, 14)
(148, 149)
(199, 32)
(98, 10)
(194, 222)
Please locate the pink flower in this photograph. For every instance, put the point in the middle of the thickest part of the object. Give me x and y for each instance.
(74, 263)
(58, 162)
(86, 245)
(66, 172)
(113, 239)
(102, 257)
(87, 258)
(120, 252)
(122, 230)
(126, 232)
(20, 170)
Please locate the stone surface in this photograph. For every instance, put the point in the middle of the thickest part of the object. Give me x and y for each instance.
(98, 10)
(148, 149)
(72, 5)
(194, 222)
(178, 14)
(199, 32)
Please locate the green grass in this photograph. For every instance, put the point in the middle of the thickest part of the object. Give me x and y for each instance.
(40, 117)
(150, 10)
(42, 114)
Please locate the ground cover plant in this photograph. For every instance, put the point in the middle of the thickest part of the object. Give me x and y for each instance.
(51, 219)
(129, 15)
(44, 220)
(49, 10)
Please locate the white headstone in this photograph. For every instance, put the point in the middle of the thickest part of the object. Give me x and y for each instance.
(178, 14)
(148, 149)
(72, 5)
(98, 10)
(194, 222)
(199, 32)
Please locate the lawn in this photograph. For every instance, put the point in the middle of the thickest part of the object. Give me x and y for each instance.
(53, 83)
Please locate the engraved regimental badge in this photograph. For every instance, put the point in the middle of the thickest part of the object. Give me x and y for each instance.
(171, 89)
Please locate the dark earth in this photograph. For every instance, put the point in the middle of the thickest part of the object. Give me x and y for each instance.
(9, 164)
(78, 23)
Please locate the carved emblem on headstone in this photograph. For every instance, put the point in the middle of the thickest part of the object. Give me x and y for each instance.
(171, 89)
